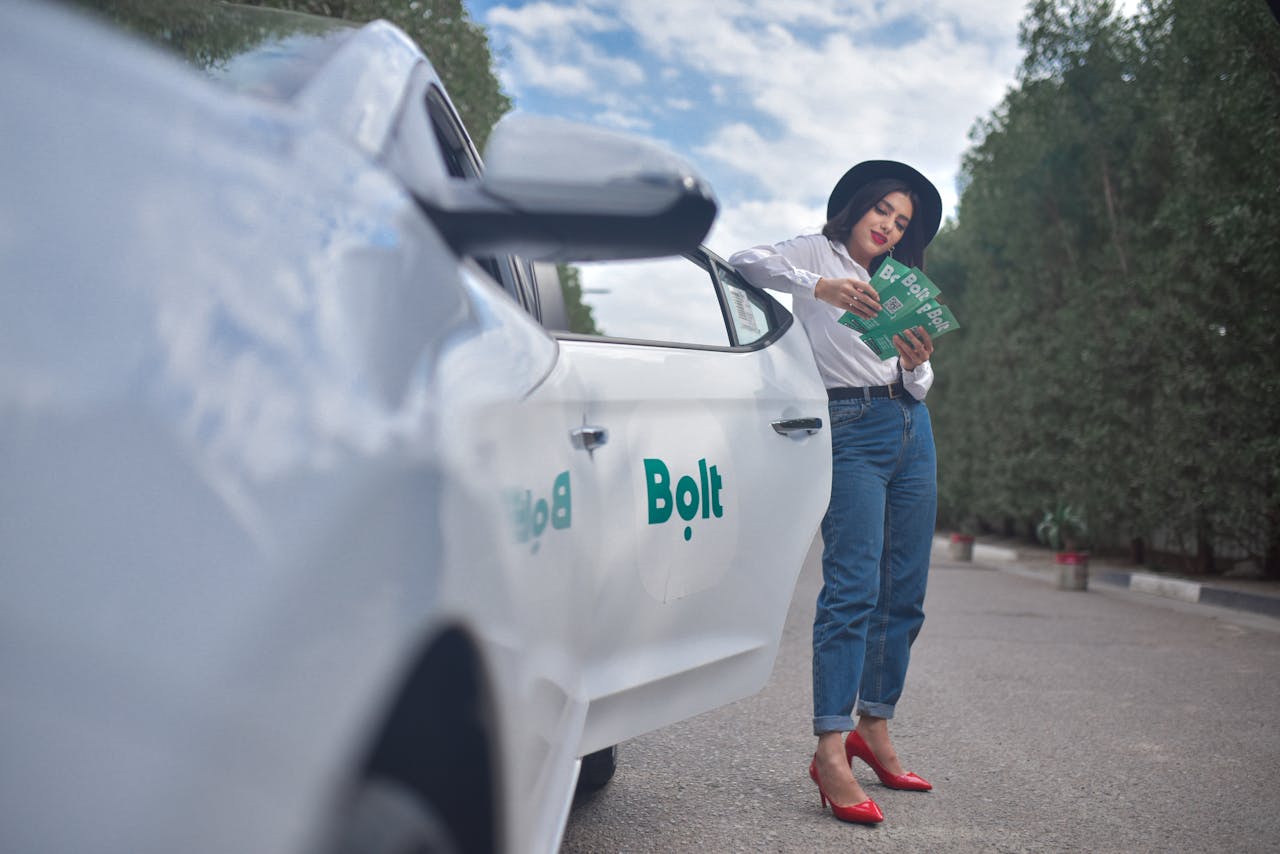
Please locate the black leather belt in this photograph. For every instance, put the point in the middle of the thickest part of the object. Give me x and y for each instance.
(874, 392)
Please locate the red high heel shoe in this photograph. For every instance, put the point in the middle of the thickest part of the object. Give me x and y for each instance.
(855, 746)
(866, 812)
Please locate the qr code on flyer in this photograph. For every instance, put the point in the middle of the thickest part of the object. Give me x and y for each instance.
(892, 305)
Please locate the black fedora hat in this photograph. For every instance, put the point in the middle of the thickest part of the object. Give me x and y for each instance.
(929, 215)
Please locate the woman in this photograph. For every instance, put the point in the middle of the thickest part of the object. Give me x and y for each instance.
(879, 524)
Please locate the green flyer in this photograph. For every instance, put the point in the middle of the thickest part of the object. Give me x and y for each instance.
(907, 299)
(902, 289)
(936, 318)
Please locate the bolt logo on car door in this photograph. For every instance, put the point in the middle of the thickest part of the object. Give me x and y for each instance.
(531, 517)
(690, 497)
(685, 502)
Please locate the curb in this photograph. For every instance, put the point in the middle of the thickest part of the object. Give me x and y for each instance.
(993, 553)
(982, 551)
(1006, 560)
(1191, 591)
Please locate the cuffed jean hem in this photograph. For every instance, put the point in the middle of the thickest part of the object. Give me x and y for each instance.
(832, 723)
(875, 710)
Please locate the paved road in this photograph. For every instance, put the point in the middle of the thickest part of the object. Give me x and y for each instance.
(1048, 721)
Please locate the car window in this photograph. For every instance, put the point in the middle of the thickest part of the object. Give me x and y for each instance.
(459, 156)
(462, 163)
(694, 300)
(751, 313)
(666, 299)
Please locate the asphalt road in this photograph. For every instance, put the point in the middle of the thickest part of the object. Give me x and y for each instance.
(1104, 721)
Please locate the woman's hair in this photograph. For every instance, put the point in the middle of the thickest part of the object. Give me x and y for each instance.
(909, 250)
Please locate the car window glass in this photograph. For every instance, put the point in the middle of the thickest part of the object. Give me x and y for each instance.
(461, 162)
(459, 157)
(748, 312)
(672, 300)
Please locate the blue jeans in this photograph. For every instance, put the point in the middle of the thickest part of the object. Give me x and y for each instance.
(876, 537)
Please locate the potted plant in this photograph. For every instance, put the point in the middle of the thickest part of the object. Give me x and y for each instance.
(1063, 529)
(960, 546)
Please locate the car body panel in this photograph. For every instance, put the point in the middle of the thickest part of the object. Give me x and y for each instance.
(200, 437)
(358, 92)
(265, 436)
(714, 588)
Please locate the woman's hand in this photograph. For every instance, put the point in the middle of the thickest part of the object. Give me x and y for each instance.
(849, 295)
(914, 348)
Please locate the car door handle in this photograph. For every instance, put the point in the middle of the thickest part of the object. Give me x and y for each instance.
(795, 425)
(588, 438)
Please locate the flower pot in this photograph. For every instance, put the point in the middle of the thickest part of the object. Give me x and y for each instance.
(960, 547)
(1073, 570)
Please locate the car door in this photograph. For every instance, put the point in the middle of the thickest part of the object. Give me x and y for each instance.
(710, 474)
(662, 482)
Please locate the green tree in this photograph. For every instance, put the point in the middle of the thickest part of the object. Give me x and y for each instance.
(1211, 79)
(1119, 215)
(580, 317)
(1039, 226)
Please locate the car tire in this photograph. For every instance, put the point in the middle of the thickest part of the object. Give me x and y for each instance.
(597, 768)
(386, 817)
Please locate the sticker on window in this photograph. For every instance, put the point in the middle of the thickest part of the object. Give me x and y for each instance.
(746, 316)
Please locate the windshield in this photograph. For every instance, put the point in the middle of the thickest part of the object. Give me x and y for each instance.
(267, 52)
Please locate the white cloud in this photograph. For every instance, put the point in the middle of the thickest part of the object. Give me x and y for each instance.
(531, 71)
(775, 101)
(551, 49)
(536, 20)
(752, 223)
(621, 121)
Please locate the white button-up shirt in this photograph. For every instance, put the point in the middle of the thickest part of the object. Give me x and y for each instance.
(795, 266)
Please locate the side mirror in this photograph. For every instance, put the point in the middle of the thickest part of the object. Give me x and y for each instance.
(559, 191)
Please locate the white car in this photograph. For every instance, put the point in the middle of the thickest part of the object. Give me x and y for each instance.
(318, 530)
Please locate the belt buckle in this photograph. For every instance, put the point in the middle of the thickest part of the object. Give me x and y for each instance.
(892, 395)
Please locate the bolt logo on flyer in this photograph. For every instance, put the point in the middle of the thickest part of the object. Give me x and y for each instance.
(907, 299)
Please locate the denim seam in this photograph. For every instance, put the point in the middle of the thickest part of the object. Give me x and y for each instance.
(832, 582)
(885, 600)
(903, 452)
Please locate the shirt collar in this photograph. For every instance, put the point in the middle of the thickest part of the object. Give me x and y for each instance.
(843, 251)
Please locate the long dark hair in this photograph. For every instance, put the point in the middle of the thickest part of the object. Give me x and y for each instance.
(910, 249)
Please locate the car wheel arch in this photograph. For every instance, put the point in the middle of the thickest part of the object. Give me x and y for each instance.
(437, 738)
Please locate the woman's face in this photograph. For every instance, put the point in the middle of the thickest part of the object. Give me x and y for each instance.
(880, 228)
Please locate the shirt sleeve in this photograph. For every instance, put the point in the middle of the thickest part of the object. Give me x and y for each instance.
(919, 381)
(766, 267)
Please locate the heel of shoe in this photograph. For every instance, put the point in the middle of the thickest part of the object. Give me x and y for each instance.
(855, 746)
(867, 812)
(813, 775)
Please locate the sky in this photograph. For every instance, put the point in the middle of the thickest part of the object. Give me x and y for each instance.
(771, 100)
